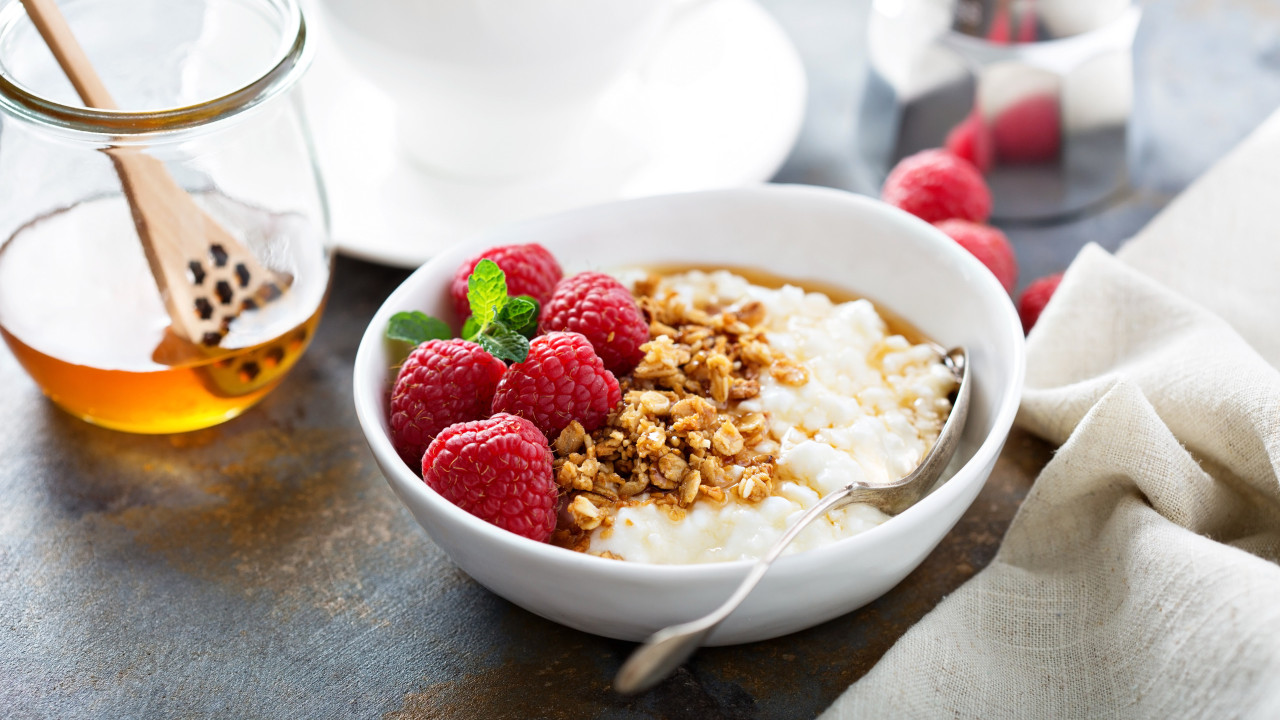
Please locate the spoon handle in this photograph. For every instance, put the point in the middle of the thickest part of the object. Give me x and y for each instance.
(53, 27)
(666, 649)
(832, 501)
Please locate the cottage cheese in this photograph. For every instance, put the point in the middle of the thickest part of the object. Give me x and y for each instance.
(872, 407)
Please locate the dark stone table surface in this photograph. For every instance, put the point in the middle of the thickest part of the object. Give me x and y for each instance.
(264, 569)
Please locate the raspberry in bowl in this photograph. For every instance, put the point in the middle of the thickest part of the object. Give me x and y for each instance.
(811, 237)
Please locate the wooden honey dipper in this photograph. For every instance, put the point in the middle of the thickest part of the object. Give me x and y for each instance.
(206, 276)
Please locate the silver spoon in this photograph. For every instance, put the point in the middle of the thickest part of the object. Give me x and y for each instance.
(668, 648)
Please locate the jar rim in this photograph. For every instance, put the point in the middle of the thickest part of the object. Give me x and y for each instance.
(282, 74)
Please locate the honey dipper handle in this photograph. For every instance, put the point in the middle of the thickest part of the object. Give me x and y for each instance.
(57, 35)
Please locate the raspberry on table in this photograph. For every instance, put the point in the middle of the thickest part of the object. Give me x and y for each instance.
(989, 245)
(498, 469)
(562, 380)
(602, 309)
(442, 382)
(1028, 131)
(530, 269)
(1035, 297)
(971, 140)
(937, 185)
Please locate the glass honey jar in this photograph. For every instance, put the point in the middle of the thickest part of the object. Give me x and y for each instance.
(207, 90)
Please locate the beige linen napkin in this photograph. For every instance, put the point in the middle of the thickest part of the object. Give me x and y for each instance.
(1140, 577)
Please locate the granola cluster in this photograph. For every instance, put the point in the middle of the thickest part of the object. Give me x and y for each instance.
(677, 437)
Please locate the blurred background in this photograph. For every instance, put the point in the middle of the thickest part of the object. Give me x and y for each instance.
(1206, 73)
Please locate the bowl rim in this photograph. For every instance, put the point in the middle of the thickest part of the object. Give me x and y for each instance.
(369, 400)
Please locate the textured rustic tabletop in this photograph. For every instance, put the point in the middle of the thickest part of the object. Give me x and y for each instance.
(264, 569)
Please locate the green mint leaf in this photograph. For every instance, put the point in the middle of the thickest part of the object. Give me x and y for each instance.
(486, 291)
(470, 329)
(416, 328)
(505, 344)
(520, 315)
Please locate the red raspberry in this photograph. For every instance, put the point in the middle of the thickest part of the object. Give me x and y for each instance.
(1035, 297)
(498, 469)
(971, 140)
(601, 308)
(1029, 131)
(441, 383)
(987, 244)
(999, 30)
(936, 185)
(530, 269)
(562, 380)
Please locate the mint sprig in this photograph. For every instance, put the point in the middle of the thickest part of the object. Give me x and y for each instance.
(521, 314)
(499, 323)
(486, 291)
(416, 328)
(504, 343)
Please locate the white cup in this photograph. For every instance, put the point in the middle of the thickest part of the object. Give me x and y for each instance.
(492, 89)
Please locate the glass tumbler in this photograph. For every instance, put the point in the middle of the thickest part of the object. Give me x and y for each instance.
(1036, 93)
(206, 88)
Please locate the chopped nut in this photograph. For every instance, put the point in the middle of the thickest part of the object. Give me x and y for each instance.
(647, 285)
(693, 413)
(662, 357)
(720, 368)
(655, 403)
(788, 372)
(674, 512)
(751, 313)
(585, 515)
(698, 317)
(567, 475)
(698, 441)
(743, 389)
(713, 471)
(653, 440)
(712, 492)
(756, 482)
(630, 419)
(694, 335)
(600, 501)
(727, 441)
(662, 482)
(689, 487)
(672, 466)
(636, 485)
(753, 427)
(571, 439)
(657, 329)
(604, 489)
(752, 488)
(756, 353)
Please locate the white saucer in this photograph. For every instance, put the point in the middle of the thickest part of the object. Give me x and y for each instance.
(719, 104)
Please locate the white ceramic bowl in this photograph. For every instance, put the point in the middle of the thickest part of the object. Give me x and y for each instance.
(797, 232)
